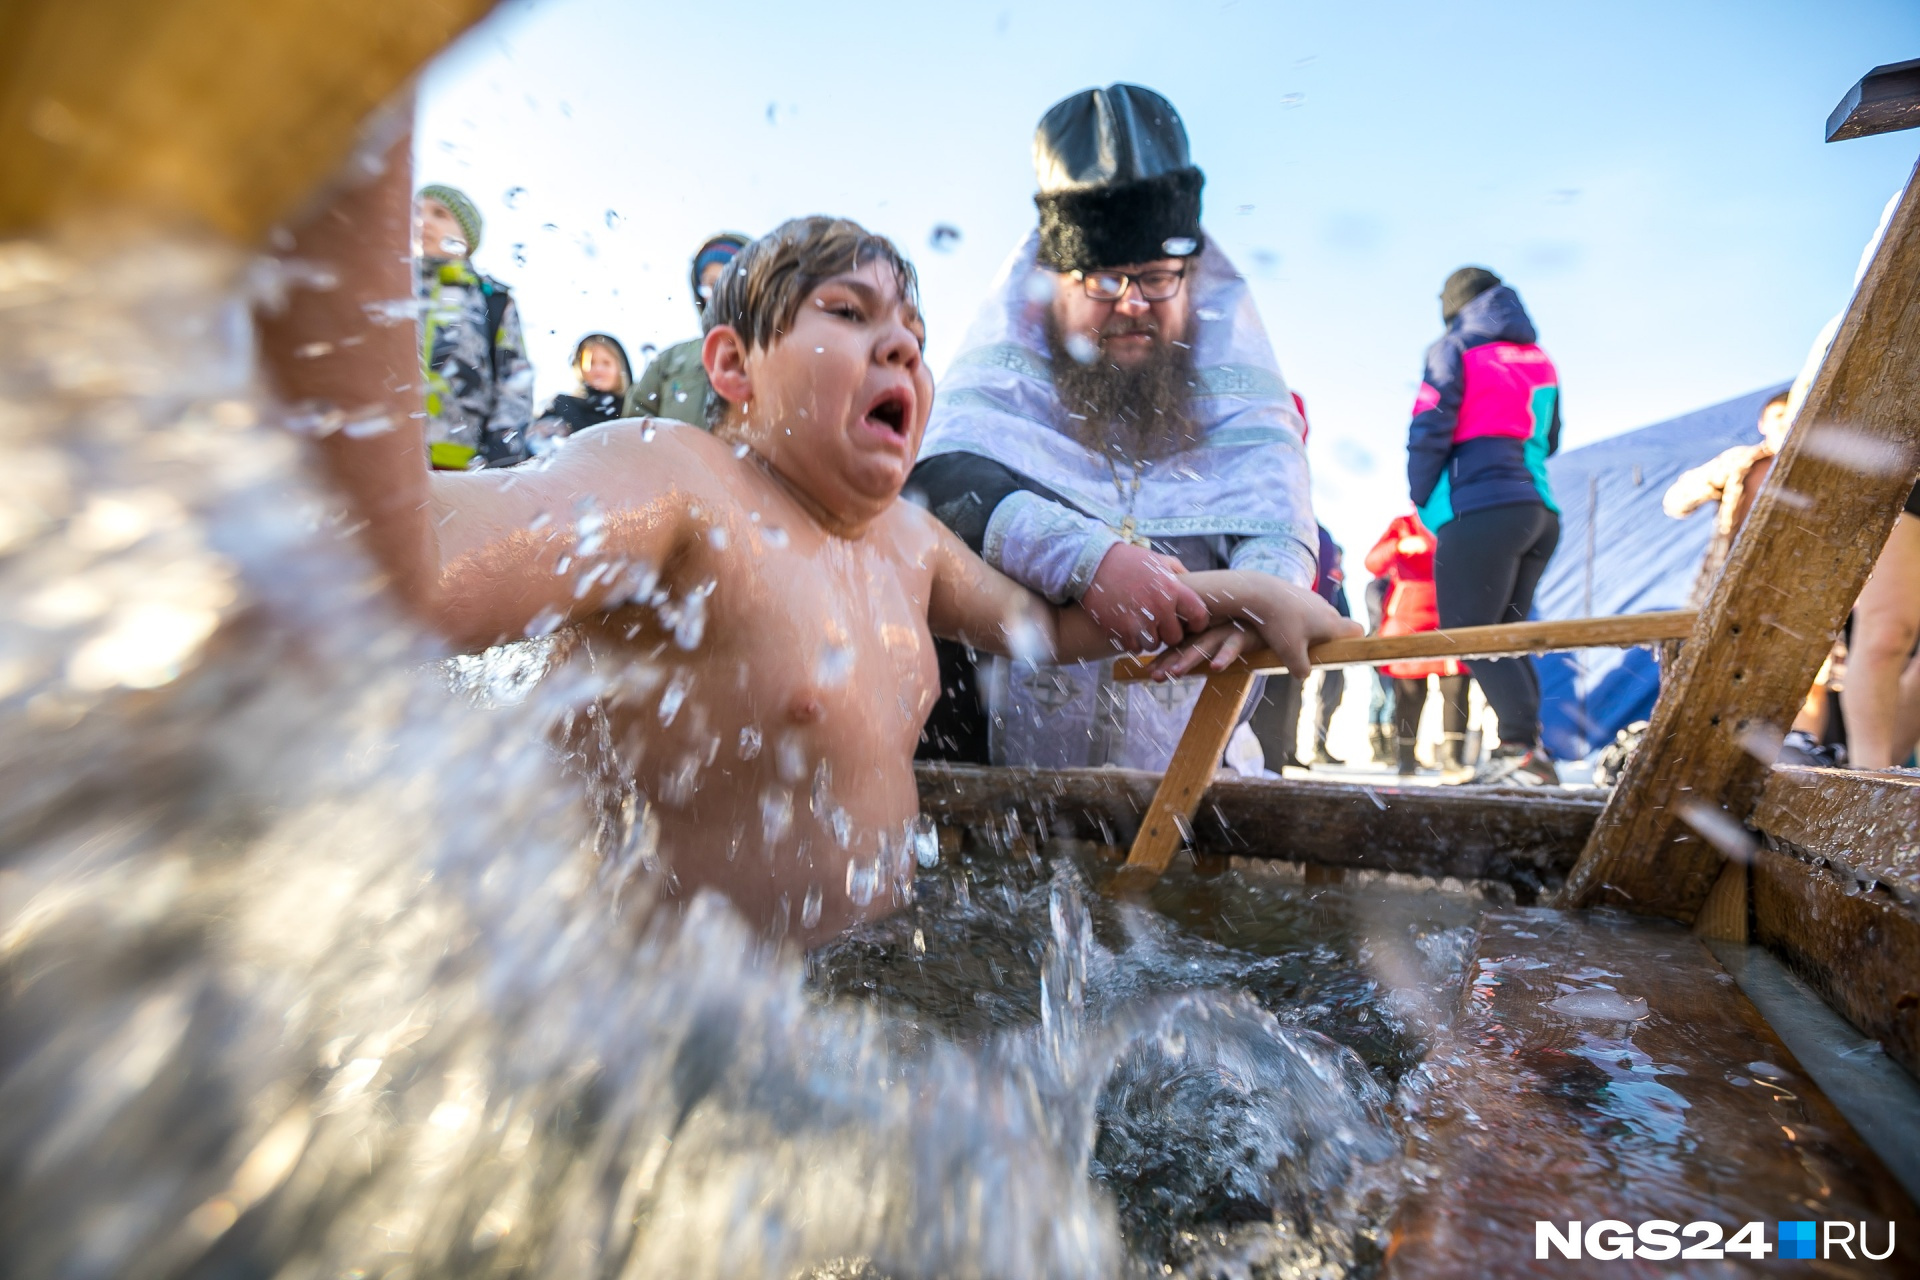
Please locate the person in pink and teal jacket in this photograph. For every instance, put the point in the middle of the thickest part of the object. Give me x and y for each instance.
(1485, 422)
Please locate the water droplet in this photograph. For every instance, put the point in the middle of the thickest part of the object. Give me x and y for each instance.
(919, 942)
(690, 624)
(519, 255)
(836, 664)
(1179, 246)
(544, 622)
(1209, 313)
(776, 814)
(926, 842)
(613, 219)
(681, 396)
(648, 430)
(749, 742)
(810, 907)
(512, 198)
(819, 351)
(453, 247)
(789, 759)
(590, 532)
(945, 237)
(742, 449)
(1082, 348)
(718, 537)
(675, 695)
(1039, 287)
(774, 536)
(1290, 100)
(863, 881)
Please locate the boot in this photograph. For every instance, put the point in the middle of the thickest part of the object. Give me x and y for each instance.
(1380, 741)
(1323, 756)
(1454, 766)
(1405, 762)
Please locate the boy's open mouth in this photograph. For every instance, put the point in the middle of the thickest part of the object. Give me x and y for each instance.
(890, 411)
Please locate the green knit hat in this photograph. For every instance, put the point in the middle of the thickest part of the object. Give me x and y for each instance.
(464, 211)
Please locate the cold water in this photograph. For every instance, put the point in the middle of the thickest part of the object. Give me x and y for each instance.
(314, 965)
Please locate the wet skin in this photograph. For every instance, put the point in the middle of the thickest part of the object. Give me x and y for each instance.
(814, 671)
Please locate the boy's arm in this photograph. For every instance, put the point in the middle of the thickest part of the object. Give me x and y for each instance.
(527, 549)
(1256, 608)
(973, 602)
(335, 363)
(355, 378)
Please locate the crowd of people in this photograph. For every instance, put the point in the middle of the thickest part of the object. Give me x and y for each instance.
(479, 382)
(1117, 422)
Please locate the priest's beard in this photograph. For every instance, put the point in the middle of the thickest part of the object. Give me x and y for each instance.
(1136, 415)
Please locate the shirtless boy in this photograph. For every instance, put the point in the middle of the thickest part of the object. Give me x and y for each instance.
(768, 600)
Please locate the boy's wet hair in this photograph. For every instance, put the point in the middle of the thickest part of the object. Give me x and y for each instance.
(764, 286)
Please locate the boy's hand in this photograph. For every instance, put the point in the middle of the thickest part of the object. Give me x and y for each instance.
(1286, 618)
(1216, 646)
(1137, 598)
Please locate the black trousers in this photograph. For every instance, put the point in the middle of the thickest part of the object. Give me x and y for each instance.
(1276, 721)
(1410, 699)
(1333, 688)
(1484, 572)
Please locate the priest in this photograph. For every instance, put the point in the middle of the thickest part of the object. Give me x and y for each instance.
(1116, 417)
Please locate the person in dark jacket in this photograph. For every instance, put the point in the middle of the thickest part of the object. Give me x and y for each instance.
(675, 383)
(1485, 422)
(600, 363)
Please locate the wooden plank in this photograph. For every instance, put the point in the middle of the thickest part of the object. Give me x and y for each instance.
(1194, 762)
(1867, 823)
(1469, 642)
(1724, 916)
(1540, 1104)
(1525, 838)
(220, 113)
(1812, 538)
(1884, 100)
(1859, 948)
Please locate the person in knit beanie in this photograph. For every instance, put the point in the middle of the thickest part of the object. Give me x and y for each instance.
(441, 205)
(479, 381)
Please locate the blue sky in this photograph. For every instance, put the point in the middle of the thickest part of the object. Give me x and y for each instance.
(1649, 176)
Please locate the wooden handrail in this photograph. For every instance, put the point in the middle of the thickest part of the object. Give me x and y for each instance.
(1469, 642)
(1218, 710)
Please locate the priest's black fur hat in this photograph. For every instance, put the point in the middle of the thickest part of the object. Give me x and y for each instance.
(1116, 183)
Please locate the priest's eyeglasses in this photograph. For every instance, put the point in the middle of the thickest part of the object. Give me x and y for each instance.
(1156, 285)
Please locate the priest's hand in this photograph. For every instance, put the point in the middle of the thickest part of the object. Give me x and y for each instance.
(1137, 598)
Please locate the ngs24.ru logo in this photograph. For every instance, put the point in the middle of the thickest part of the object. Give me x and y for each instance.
(1658, 1240)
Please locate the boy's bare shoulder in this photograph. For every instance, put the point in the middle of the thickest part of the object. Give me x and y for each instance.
(913, 526)
(645, 450)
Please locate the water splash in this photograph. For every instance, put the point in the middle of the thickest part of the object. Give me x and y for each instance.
(309, 967)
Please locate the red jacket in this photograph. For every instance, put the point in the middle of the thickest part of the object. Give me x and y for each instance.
(1404, 556)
